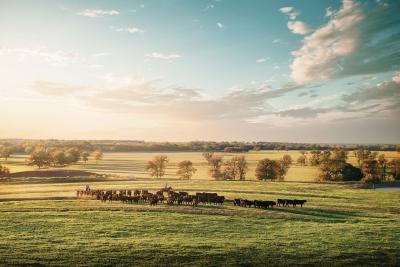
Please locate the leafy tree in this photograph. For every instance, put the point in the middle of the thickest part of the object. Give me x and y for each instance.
(268, 169)
(339, 154)
(98, 155)
(4, 171)
(302, 160)
(215, 164)
(371, 171)
(185, 169)
(73, 155)
(59, 158)
(235, 168)
(361, 155)
(40, 157)
(157, 166)
(315, 158)
(331, 170)
(85, 156)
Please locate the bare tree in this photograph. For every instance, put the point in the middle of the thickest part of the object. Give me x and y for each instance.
(185, 169)
(215, 164)
(157, 166)
(235, 168)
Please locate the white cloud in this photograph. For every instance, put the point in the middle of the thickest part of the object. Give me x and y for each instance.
(261, 60)
(286, 9)
(95, 13)
(276, 67)
(298, 27)
(158, 55)
(220, 25)
(290, 11)
(129, 30)
(317, 59)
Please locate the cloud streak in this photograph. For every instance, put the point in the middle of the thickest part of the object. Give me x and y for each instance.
(96, 13)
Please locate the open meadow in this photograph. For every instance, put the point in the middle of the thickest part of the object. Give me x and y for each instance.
(132, 164)
(42, 223)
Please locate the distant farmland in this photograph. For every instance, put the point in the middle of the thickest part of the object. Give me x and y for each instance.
(132, 164)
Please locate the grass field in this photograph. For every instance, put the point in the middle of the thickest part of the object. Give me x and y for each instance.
(43, 224)
(339, 226)
(132, 164)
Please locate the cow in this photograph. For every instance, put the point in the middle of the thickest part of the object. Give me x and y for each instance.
(236, 202)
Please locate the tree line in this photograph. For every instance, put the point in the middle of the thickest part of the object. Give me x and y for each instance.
(22, 146)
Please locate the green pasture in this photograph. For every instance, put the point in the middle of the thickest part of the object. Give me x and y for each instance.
(132, 164)
(339, 226)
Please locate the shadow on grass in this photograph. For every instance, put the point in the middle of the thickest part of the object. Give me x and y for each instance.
(323, 213)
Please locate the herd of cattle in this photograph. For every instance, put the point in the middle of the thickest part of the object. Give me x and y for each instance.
(164, 195)
(265, 204)
(169, 196)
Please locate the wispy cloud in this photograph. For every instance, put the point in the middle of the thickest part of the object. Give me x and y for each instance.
(157, 55)
(261, 60)
(56, 58)
(95, 13)
(220, 25)
(129, 30)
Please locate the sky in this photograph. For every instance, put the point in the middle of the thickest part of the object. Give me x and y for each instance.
(177, 70)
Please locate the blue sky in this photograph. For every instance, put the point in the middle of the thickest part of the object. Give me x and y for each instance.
(300, 71)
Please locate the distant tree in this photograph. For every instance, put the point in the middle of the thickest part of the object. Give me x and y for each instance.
(215, 164)
(5, 152)
(361, 155)
(185, 170)
(85, 156)
(287, 160)
(157, 166)
(98, 155)
(235, 168)
(267, 169)
(331, 170)
(382, 165)
(315, 158)
(395, 167)
(59, 158)
(40, 157)
(302, 160)
(398, 148)
(73, 155)
(339, 154)
(371, 171)
(4, 171)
